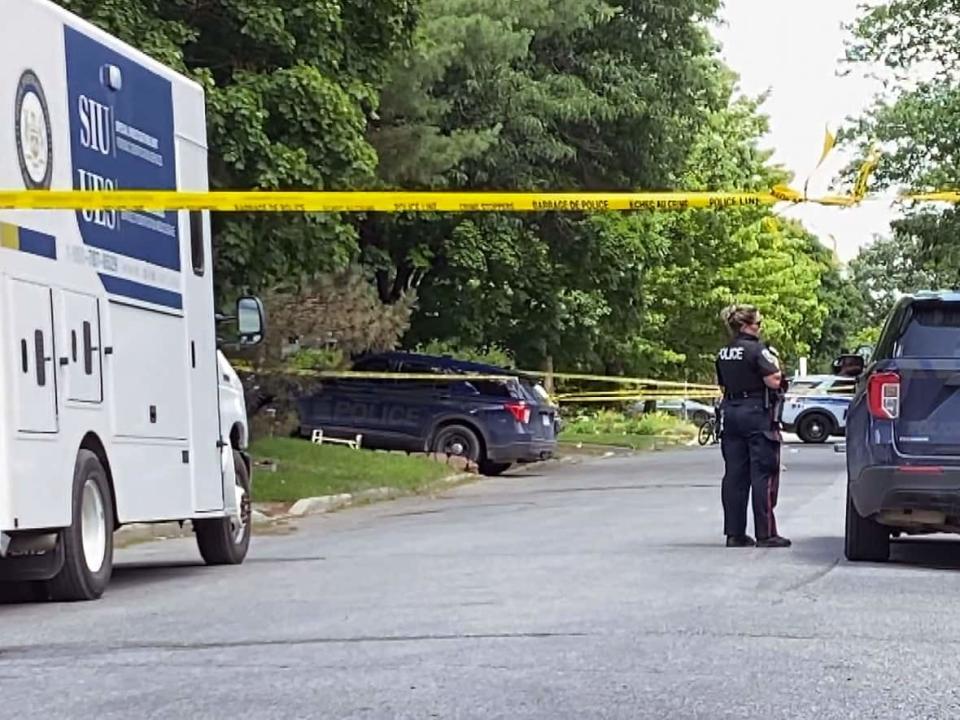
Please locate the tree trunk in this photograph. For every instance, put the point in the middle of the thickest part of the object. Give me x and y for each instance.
(548, 384)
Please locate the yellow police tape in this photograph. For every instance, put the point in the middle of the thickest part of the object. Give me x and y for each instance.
(388, 202)
(647, 397)
(448, 201)
(680, 388)
(358, 375)
(626, 397)
(949, 196)
(643, 389)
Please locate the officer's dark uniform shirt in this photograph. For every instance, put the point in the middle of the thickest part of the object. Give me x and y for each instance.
(742, 365)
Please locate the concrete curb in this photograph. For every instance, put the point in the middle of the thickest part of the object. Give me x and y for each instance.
(324, 504)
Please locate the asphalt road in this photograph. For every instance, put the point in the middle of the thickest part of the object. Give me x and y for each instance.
(592, 590)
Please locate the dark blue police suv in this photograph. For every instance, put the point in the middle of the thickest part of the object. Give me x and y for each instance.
(903, 429)
(491, 422)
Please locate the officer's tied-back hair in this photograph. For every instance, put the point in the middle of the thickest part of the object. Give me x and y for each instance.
(736, 316)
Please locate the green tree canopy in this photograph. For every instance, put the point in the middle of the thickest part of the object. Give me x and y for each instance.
(917, 119)
(562, 95)
(289, 86)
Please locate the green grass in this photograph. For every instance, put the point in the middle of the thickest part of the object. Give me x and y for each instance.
(611, 428)
(308, 470)
(646, 432)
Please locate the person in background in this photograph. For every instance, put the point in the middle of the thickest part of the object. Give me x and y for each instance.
(752, 383)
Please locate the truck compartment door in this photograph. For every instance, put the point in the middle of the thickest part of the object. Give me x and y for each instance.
(30, 313)
(81, 355)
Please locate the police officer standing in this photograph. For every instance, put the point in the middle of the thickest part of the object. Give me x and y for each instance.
(752, 381)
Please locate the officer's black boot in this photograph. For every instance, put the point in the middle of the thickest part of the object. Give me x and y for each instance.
(740, 541)
(774, 542)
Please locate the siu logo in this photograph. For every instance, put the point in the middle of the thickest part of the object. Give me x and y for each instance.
(33, 133)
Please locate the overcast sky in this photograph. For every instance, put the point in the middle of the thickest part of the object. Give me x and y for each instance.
(793, 49)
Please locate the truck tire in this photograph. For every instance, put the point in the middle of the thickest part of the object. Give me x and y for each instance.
(88, 542)
(458, 441)
(865, 540)
(221, 540)
(492, 469)
(815, 428)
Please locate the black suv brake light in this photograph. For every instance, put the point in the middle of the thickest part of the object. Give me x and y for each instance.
(520, 410)
(883, 395)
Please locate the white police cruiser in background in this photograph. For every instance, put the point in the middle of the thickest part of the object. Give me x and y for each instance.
(815, 407)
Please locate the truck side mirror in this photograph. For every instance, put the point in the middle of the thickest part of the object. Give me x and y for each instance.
(250, 320)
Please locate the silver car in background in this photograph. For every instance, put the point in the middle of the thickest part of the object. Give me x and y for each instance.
(693, 411)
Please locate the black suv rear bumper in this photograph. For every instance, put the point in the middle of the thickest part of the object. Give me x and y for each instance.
(522, 452)
(890, 488)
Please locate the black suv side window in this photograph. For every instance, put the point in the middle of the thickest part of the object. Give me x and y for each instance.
(491, 388)
(420, 368)
(933, 331)
(372, 365)
(888, 336)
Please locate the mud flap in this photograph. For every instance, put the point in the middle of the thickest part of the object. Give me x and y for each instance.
(29, 567)
(230, 506)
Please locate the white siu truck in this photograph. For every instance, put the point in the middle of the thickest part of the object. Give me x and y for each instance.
(116, 406)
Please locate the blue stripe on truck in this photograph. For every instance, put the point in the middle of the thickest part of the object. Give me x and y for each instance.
(37, 243)
(139, 291)
(14, 237)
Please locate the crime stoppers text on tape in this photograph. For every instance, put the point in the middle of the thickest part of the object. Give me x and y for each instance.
(386, 202)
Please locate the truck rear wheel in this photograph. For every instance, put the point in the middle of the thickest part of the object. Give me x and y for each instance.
(223, 541)
(865, 539)
(88, 542)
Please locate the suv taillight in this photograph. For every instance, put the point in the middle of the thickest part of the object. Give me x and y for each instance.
(883, 395)
(519, 410)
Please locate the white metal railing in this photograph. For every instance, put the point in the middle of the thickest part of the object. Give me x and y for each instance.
(319, 438)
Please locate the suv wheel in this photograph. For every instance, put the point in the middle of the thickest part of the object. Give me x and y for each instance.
(814, 428)
(458, 441)
(865, 540)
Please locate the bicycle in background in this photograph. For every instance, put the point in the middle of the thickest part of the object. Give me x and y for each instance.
(710, 431)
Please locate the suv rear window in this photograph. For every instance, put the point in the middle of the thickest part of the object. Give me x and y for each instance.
(932, 332)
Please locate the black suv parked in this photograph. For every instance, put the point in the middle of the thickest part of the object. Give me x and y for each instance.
(491, 422)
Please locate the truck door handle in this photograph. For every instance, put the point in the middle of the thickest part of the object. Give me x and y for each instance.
(40, 356)
(953, 380)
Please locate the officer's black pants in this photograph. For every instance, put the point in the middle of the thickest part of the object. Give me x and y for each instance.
(751, 452)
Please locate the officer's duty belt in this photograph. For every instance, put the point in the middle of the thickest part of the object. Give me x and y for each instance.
(752, 395)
